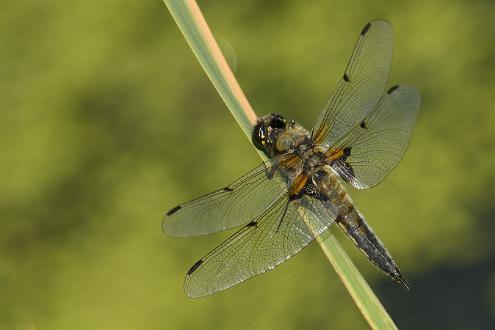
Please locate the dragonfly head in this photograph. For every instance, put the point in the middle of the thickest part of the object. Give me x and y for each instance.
(265, 132)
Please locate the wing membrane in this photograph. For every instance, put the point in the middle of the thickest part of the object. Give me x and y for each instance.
(277, 234)
(234, 205)
(361, 86)
(376, 145)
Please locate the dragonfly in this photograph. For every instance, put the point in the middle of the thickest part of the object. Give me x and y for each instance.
(286, 202)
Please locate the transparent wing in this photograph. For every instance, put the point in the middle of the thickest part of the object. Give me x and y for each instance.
(376, 145)
(277, 234)
(361, 86)
(234, 205)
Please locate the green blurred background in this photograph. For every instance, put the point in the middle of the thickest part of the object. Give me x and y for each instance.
(107, 121)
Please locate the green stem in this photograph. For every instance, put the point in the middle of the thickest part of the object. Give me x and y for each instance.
(191, 22)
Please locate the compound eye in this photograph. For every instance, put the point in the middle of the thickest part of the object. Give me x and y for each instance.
(278, 122)
(259, 137)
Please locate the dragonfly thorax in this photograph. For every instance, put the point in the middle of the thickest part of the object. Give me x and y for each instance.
(312, 161)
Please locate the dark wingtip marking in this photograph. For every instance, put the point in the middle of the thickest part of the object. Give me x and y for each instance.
(252, 224)
(363, 124)
(347, 151)
(365, 29)
(175, 209)
(194, 267)
(346, 77)
(392, 89)
(227, 189)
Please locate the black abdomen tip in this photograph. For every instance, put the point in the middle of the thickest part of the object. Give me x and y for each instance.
(401, 279)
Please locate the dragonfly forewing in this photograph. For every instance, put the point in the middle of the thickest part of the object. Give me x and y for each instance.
(235, 204)
(361, 86)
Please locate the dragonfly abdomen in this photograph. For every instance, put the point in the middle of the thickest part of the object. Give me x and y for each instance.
(354, 225)
(356, 228)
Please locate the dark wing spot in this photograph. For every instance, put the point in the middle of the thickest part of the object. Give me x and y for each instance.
(312, 191)
(252, 224)
(346, 77)
(227, 189)
(347, 151)
(194, 267)
(392, 89)
(363, 124)
(175, 209)
(349, 168)
(365, 29)
(344, 169)
(349, 174)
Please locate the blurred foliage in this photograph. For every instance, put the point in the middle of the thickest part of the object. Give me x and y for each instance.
(107, 121)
